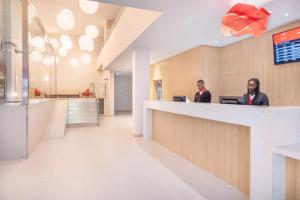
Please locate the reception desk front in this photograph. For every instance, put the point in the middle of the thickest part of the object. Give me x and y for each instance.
(235, 143)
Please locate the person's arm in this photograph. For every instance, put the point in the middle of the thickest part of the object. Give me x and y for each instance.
(195, 99)
(208, 97)
(265, 100)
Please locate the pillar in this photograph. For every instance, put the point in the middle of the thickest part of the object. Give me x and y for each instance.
(140, 86)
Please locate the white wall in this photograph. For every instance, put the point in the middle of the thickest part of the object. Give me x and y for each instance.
(77, 78)
(39, 115)
(123, 93)
(13, 132)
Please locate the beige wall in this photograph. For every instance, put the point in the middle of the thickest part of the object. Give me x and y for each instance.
(227, 69)
(77, 78)
(180, 73)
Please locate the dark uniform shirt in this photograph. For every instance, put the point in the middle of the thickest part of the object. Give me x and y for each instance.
(260, 99)
(204, 98)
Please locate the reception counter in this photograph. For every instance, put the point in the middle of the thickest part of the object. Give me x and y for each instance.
(235, 143)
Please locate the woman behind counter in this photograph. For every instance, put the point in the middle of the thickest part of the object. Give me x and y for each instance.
(254, 96)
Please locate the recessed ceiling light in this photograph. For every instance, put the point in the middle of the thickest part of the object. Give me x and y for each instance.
(92, 31)
(88, 7)
(62, 52)
(74, 62)
(286, 14)
(65, 19)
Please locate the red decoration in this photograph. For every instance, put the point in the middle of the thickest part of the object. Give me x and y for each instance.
(37, 93)
(244, 19)
(87, 93)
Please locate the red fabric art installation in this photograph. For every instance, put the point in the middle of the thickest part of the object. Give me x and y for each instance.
(244, 19)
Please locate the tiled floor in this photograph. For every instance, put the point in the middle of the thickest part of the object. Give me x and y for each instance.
(102, 163)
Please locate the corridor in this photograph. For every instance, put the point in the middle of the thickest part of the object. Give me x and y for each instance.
(104, 162)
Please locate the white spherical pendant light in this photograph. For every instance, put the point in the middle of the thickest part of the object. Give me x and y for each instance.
(37, 42)
(91, 48)
(88, 7)
(47, 61)
(85, 59)
(66, 42)
(92, 31)
(41, 49)
(74, 62)
(85, 43)
(65, 19)
(54, 43)
(62, 52)
(36, 56)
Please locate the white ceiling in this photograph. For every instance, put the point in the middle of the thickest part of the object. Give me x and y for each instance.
(190, 23)
(47, 11)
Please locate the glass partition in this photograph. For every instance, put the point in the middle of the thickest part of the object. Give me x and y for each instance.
(11, 50)
(42, 59)
(41, 56)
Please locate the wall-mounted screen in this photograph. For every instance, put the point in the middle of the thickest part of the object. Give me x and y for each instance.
(287, 46)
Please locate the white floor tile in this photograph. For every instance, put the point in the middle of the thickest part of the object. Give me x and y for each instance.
(101, 163)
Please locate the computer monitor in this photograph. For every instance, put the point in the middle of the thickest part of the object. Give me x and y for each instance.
(230, 99)
(179, 98)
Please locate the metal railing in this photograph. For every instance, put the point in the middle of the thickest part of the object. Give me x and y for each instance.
(95, 95)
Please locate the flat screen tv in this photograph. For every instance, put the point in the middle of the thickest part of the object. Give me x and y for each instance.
(287, 46)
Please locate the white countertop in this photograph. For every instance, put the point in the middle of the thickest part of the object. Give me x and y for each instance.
(235, 114)
(291, 151)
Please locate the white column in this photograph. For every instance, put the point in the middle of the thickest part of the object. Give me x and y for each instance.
(140, 86)
(111, 93)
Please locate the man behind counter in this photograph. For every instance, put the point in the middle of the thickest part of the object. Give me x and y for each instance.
(203, 95)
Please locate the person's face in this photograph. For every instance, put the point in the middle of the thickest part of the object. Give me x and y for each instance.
(200, 86)
(251, 86)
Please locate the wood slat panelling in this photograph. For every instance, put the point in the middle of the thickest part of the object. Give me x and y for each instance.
(219, 148)
(180, 73)
(254, 57)
(292, 179)
(227, 69)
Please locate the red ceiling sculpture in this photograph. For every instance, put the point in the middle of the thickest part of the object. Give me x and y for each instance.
(244, 19)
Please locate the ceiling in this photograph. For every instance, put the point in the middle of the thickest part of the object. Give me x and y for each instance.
(47, 11)
(190, 23)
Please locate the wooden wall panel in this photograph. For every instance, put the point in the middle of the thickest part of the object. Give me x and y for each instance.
(180, 73)
(219, 148)
(254, 57)
(292, 179)
(227, 69)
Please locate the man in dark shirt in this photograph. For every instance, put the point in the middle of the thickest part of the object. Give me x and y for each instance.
(254, 96)
(203, 95)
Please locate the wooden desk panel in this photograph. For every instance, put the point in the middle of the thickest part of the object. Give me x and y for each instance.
(292, 179)
(220, 148)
